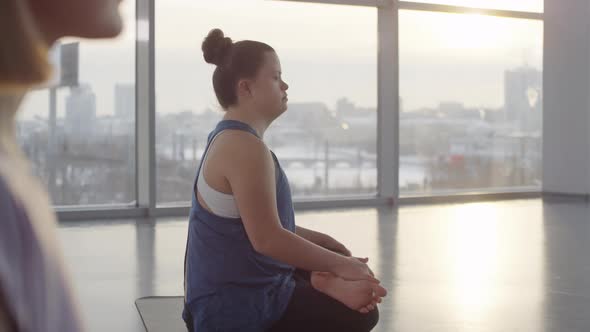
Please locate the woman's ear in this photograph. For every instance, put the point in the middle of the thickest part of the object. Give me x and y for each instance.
(244, 88)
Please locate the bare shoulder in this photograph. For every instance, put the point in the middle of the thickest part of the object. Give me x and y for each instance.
(238, 146)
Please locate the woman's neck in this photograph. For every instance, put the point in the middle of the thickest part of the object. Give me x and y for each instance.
(9, 104)
(238, 114)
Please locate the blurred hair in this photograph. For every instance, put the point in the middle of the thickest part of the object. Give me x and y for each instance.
(23, 54)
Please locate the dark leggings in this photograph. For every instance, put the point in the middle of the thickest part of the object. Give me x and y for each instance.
(310, 310)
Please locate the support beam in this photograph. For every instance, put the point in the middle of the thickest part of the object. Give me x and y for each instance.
(146, 110)
(566, 89)
(388, 103)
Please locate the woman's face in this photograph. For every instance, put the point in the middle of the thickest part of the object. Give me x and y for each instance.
(268, 88)
(76, 18)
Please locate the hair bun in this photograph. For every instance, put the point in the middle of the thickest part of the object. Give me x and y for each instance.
(216, 47)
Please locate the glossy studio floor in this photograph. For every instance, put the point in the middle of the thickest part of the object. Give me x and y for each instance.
(516, 265)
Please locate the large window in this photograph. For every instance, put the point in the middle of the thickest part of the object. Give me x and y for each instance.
(470, 92)
(471, 103)
(80, 132)
(326, 141)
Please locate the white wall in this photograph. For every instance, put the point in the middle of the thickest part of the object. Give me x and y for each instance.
(566, 111)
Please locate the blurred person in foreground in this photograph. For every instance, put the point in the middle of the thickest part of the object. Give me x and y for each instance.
(35, 292)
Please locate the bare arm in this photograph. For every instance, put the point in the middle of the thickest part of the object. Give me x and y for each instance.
(323, 240)
(311, 235)
(249, 169)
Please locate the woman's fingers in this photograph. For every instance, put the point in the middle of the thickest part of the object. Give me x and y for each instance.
(345, 251)
(364, 260)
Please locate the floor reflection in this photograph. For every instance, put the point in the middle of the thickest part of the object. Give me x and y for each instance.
(499, 266)
(471, 267)
(145, 236)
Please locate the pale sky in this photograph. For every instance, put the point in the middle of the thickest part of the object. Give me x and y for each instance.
(327, 52)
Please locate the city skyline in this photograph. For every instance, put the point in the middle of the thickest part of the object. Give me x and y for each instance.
(124, 98)
(443, 57)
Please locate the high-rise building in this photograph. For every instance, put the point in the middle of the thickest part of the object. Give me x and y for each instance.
(125, 101)
(80, 121)
(523, 98)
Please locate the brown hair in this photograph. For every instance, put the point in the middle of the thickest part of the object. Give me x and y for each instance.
(23, 54)
(234, 61)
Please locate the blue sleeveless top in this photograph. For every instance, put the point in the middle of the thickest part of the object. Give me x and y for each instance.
(228, 285)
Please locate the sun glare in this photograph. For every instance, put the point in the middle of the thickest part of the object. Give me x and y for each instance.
(474, 244)
(470, 32)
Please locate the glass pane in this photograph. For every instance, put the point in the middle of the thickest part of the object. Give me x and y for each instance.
(519, 5)
(471, 103)
(86, 153)
(326, 141)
